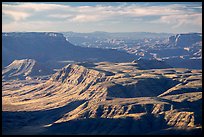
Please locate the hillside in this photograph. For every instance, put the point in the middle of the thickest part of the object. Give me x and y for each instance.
(25, 68)
(106, 98)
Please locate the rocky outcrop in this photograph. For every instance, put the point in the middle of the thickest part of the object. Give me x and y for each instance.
(185, 40)
(25, 68)
(106, 97)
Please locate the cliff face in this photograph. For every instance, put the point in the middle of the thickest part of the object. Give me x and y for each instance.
(119, 97)
(32, 45)
(185, 40)
(53, 47)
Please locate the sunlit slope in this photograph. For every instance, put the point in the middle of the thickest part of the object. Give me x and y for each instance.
(107, 93)
(20, 69)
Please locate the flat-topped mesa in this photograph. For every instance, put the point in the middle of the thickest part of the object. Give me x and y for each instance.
(185, 40)
(76, 74)
(53, 47)
(32, 34)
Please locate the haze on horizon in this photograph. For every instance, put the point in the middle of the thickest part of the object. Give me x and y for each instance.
(168, 17)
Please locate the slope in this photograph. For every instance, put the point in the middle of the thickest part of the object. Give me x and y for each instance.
(53, 47)
(20, 69)
(106, 98)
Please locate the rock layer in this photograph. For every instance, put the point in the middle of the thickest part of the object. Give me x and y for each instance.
(107, 98)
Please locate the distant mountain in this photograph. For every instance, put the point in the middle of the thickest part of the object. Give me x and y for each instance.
(120, 35)
(178, 50)
(48, 47)
(185, 40)
(97, 39)
(185, 52)
(22, 69)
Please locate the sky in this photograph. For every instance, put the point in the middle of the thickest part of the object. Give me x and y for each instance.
(167, 17)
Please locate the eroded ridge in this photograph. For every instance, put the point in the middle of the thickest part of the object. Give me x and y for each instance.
(105, 94)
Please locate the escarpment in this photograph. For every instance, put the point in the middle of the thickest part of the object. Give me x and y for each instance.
(113, 95)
